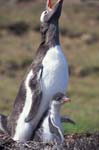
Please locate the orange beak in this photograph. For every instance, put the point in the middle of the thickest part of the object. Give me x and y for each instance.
(49, 4)
(66, 99)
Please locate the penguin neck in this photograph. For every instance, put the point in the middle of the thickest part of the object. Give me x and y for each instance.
(55, 109)
(51, 37)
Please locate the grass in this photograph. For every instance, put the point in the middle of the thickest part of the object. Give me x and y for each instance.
(84, 106)
(82, 56)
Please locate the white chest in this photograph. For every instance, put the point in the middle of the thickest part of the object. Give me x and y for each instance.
(54, 77)
(55, 72)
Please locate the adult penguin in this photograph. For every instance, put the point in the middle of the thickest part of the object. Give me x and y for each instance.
(47, 75)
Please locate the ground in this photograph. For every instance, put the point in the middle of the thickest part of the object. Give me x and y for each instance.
(86, 141)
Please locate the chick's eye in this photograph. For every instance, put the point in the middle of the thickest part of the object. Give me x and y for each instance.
(45, 12)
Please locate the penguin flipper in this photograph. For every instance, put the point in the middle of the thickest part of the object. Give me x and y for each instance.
(37, 95)
(34, 107)
(55, 129)
(66, 119)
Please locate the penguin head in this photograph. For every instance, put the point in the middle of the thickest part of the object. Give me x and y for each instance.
(57, 100)
(51, 12)
(50, 15)
(60, 98)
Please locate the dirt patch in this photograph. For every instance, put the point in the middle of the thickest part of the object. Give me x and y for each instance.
(86, 141)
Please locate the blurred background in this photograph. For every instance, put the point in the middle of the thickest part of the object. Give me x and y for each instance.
(79, 35)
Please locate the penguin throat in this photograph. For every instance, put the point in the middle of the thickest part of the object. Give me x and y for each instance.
(51, 37)
(55, 109)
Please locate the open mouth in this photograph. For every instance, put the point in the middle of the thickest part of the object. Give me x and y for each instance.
(49, 4)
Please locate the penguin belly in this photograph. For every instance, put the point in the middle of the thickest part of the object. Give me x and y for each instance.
(54, 77)
(55, 73)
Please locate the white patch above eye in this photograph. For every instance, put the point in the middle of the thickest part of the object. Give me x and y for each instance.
(42, 16)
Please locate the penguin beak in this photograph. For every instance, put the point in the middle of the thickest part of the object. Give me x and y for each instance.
(54, 11)
(65, 100)
(49, 5)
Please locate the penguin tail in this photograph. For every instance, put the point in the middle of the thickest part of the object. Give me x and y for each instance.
(3, 124)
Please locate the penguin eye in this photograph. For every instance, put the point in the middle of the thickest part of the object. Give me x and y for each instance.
(58, 98)
(46, 11)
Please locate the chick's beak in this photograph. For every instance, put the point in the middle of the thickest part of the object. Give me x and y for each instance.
(65, 99)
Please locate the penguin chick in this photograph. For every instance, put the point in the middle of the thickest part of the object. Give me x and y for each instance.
(51, 127)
